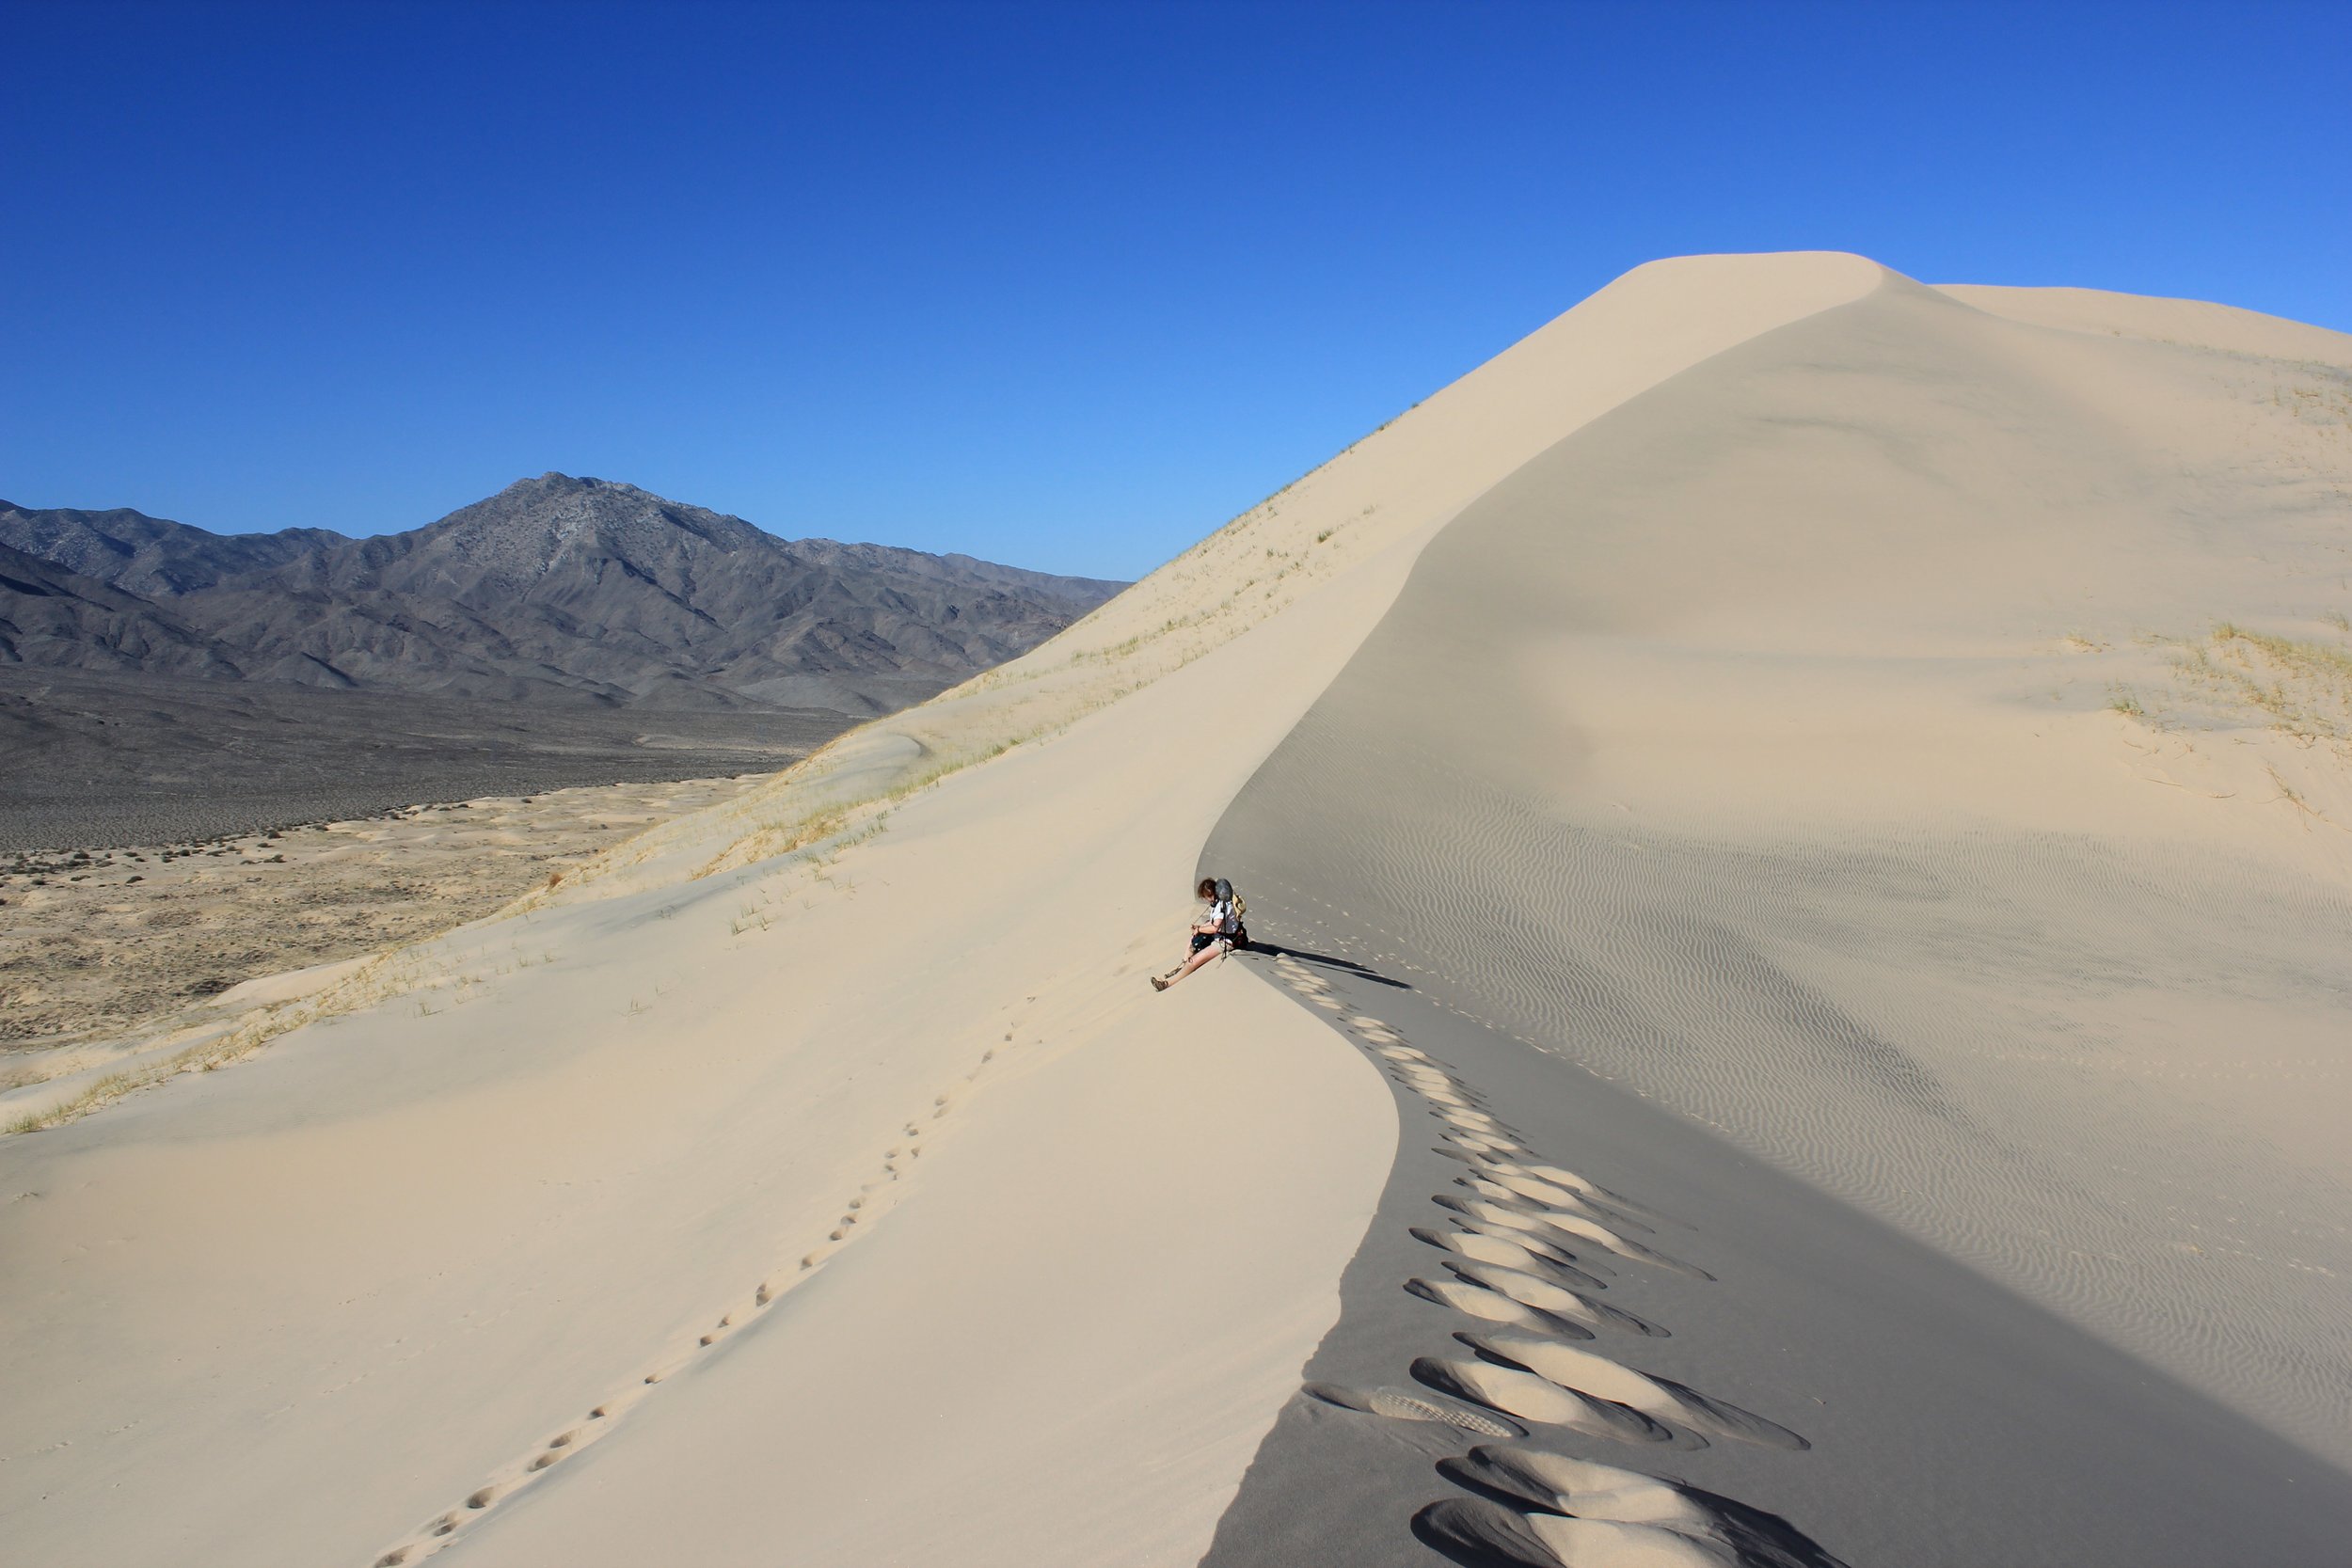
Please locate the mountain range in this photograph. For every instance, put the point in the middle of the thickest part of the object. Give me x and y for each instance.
(555, 587)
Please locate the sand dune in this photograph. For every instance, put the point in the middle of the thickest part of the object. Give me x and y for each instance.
(813, 1180)
(1834, 746)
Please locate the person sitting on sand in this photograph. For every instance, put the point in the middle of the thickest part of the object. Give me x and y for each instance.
(1212, 935)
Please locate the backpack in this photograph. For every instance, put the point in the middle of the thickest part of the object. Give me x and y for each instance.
(1241, 912)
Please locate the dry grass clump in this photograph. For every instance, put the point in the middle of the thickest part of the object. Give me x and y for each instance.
(2303, 685)
(779, 836)
(2319, 395)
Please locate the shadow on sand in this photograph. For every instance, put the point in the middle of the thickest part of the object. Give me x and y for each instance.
(1276, 950)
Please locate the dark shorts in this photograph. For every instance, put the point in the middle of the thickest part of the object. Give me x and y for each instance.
(1202, 939)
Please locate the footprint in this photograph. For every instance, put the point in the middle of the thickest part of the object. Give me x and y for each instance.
(1521, 1393)
(1569, 1179)
(1543, 1245)
(1483, 1534)
(1483, 1126)
(1436, 1086)
(1400, 1405)
(1535, 1189)
(1550, 1194)
(1566, 1231)
(1493, 1307)
(1599, 1235)
(1529, 1290)
(1494, 1219)
(1584, 1373)
(1603, 1493)
(1480, 1247)
(1478, 1143)
(1568, 1203)
(1488, 1536)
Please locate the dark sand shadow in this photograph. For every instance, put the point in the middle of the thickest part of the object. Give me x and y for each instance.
(1325, 961)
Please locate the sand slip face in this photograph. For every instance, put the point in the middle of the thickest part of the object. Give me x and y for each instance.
(790, 1141)
(1911, 746)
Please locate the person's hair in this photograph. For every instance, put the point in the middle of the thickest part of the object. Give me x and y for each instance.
(1207, 887)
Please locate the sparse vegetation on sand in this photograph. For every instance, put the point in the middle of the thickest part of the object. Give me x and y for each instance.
(2303, 685)
(457, 979)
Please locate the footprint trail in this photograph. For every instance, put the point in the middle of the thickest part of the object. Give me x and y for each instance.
(1522, 1252)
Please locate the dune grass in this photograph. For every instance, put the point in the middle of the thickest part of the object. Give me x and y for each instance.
(2302, 685)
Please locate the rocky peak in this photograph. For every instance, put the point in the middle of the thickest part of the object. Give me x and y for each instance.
(517, 536)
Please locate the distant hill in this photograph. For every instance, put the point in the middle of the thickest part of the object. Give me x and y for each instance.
(554, 587)
(55, 618)
(148, 555)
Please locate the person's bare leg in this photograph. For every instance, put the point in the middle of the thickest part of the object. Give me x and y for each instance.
(1190, 958)
(1214, 950)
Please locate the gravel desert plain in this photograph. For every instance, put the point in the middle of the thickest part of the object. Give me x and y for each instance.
(1799, 838)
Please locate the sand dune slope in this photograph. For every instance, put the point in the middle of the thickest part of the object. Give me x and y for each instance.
(1912, 746)
(814, 1180)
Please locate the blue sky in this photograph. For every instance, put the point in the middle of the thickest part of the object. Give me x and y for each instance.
(1065, 286)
